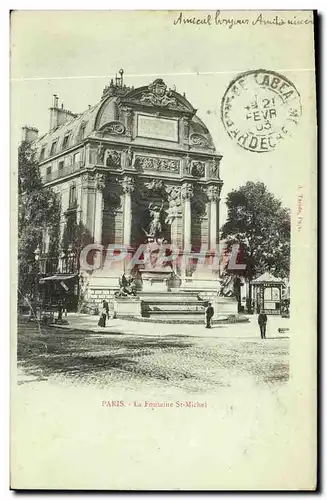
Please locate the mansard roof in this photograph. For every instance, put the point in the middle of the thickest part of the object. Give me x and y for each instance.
(153, 98)
(71, 127)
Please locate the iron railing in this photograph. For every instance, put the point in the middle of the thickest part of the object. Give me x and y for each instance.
(63, 172)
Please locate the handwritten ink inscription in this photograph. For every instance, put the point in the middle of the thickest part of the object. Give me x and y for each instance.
(258, 20)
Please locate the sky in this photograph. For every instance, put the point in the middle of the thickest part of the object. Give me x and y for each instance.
(74, 54)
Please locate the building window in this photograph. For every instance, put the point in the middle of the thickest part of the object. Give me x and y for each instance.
(68, 161)
(81, 132)
(72, 196)
(42, 153)
(65, 141)
(60, 168)
(53, 147)
(78, 158)
(48, 173)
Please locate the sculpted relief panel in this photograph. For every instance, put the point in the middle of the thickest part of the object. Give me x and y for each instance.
(113, 158)
(145, 163)
(198, 168)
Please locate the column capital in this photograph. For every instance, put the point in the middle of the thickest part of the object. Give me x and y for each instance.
(100, 181)
(213, 193)
(88, 179)
(173, 193)
(128, 184)
(187, 191)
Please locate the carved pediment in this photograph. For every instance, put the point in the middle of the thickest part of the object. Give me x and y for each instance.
(158, 95)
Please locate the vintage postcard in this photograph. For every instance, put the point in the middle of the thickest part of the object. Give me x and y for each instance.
(163, 214)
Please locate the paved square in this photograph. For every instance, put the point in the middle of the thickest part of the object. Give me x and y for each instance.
(131, 355)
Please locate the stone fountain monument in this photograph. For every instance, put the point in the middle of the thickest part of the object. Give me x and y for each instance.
(155, 277)
(157, 298)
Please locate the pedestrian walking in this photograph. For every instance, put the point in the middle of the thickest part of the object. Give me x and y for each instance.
(103, 317)
(60, 311)
(105, 306)
(208, 315)
(262, 322)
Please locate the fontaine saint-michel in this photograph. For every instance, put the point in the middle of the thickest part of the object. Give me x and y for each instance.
(137, 168)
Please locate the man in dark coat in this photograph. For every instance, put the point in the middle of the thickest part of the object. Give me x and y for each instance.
(208, 315)
(262, 321)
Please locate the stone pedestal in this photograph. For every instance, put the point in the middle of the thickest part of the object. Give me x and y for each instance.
(224, 306)
(127, 306)
(200, 283)
(155, 280)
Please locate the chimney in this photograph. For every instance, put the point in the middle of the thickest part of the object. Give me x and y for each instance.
(59, 116)
(29, 134)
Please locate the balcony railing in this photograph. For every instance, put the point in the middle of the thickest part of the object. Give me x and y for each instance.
(63, 172)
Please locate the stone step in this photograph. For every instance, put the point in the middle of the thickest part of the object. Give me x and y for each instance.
(192, 301)
(174, 307)
(175, 313)
(168, 296)
(178, 318)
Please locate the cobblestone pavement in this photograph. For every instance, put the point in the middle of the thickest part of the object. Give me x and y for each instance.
(177, 356)
(236, 383)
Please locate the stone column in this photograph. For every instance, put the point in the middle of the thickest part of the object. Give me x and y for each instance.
(98, 212)
(87, 202)
(213, 193)
(187, 193)
(128, 188)
(173, 213)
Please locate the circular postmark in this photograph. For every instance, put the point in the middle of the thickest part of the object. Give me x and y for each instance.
(259, 109)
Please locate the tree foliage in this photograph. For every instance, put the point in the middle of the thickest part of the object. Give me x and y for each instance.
(259, 223)
(75, 234)
(38, 209)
